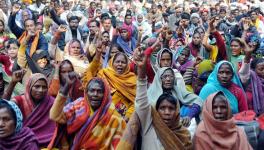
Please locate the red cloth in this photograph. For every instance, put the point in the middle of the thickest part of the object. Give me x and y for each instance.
(221, 46)
(5, 60)
(150, 72)
(241, 98)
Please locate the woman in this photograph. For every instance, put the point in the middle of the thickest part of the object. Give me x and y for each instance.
(160, 124)
(114, 48)
(183, 59)
(218, 129)
(40, 63)
(61, 70)
(142, 26)
(223, 78)
(91, 122)
(252, 77)
(164, 82)
(74, 52)
(13, 134)
(34, 105)
(237, 57)
(126, 41)
(119, 77)
(165, 59)
(4, 34)
(197, 48)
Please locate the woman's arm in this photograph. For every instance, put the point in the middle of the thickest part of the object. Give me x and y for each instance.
(56, 111)
(142, 105)
(17, 76)
(94, 66)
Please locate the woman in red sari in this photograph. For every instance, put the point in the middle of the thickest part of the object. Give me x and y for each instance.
(34, 104)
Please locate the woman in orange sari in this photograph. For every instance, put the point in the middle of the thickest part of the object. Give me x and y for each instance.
(120, 79)
(92, 122)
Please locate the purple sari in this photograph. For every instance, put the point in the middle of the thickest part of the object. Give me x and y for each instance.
(258, 93)
(23, 140)
(40, 123)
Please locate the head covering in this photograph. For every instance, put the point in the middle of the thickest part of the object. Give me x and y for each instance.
(213, 85)
(160, 54)
(182, 67)
(128, 48)
(257, 85)
(23, 138)
(219, 134)
(18, 113)
(155, 90)
(69, 44)
(195, 15)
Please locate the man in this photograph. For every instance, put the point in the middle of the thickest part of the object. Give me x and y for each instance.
(37, 7)
(175, 17)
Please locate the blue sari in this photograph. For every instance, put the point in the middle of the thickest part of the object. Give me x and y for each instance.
(213, 86)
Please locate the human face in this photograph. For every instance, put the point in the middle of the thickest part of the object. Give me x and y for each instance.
(178, 44)
(114, 50)
(42, 62)
(95, 95)
(167, 112)
(201, 31)
(107, 24)
(12, 51)
(39, 90)
(120, 64)
(235, 48)
(93, 6)
(106, 38)
(205, 16)
(65, 69)
(74, 24)
(30, 26)
(165, 60)
(7, 123)
(124, 34)
(1, 27)
(75, 49)
(98, 13)
(128, 20)
(25, 15)
(140, 18)
(184, 57)
(92, 27)
(196, 39)
(224, 75)
(167, 79)
(253, 16)
(219, 107)
(178, 12)
(195, 20)
(260, 70)
(39, 28)
(185, 22)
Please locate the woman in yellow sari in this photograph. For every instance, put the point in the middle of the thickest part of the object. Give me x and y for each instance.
(119, 78)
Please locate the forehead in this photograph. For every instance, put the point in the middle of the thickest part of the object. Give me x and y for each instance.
(5, 112)
(93, 85)
(120, 57)
(168, 72)
(225, 67)
(40, 82)
(29, 22)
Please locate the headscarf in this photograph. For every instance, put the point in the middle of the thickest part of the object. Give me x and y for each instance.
(181, 94)
(128, 48)
(18, 114)
(171, 138)
(219, 134)
(182, 68)
(213, 85)
(126, 81)
(257, 84)
(23, 138)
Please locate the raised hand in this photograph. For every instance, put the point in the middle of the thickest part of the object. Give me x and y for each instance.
(15, 8)
(62, 28)
(212, 25)
(139, 57)
(246, 24)
(18, 75)
(198, 60)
